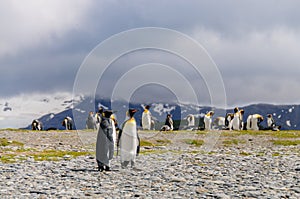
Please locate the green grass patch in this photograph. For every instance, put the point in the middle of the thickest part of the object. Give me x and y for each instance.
(52, 155)
(5, 142)
(16, 130)
(194, 142)
(286, 142)
(286, 134)
(9, 158)
(243, 132)
(243, 153)
(149, 152)
(46, 155)
(231, 142)
(146, 143)
(194, 152)
(259, 154)
(201, 132)
(163, 142)
(158, 142)
(276, 154)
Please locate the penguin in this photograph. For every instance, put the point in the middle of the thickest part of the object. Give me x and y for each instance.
(237, 121)
(253, 121)
(91, 121)
(271, 125)
(105, 142)
(270, 121)
(190, 120)
(228, 118)
(146, 118)
(68, 123)
(36, 125)
(208, 120)
(219, 122)
(169, 122)
(114, 128)
(128, 140)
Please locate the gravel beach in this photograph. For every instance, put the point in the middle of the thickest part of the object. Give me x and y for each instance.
(171, 165)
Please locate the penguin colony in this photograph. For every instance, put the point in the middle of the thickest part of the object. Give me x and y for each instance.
(232, 121)
(127, 142)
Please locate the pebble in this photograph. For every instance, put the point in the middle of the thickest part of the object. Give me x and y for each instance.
(79, 178)
(221, 173)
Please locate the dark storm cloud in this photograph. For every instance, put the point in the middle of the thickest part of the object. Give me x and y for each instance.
(254, 43)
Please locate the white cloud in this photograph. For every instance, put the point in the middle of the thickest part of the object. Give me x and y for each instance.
(25, 24)
(258, 66)
(255, 44)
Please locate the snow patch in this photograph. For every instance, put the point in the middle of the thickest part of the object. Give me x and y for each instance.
(26, 107)
(101, 105)
(161, 109)
(288, 122)
(79, 110)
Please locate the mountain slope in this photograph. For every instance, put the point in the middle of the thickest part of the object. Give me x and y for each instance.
(288, 116)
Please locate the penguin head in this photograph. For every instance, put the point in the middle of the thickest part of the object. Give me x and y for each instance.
(131, 112)
(236, 109)
(100, 110)
(107, 113)
(147, 107)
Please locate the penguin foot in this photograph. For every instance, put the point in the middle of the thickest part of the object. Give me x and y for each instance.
(100, 168)
(107, 168)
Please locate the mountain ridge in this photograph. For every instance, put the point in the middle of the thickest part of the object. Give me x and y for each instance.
(288, 116)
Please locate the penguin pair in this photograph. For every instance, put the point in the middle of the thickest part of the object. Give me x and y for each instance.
(128, 141)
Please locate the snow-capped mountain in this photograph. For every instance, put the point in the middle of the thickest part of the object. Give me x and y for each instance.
(19, 112)
(288, 116)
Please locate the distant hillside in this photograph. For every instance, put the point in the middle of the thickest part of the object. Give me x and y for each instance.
(288, 116)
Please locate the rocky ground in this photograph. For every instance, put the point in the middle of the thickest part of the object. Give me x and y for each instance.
(171, 165)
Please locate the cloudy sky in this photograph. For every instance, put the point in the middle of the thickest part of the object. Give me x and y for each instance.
(255, 44)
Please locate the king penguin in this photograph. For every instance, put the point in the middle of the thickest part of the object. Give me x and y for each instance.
(146, 118)
(128, 140)
(105, 142)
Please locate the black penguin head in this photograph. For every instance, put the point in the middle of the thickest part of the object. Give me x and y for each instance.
(147, 107)
(131, 112)
(100, 110)
(107, 113)
(236, 109)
